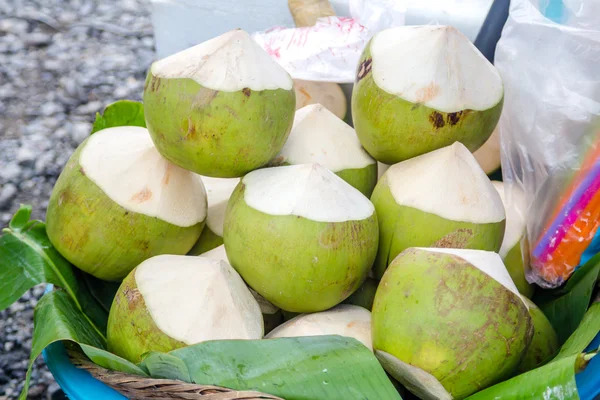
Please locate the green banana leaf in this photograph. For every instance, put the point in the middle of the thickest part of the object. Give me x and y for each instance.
(302, 368)
(553, 381)
(57, 317)
(27, 259)
(103, 291)
(583, 336)
(566, 306)
(120, 113)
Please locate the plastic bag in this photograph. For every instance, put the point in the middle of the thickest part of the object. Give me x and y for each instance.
(549, 60)
(329, 51)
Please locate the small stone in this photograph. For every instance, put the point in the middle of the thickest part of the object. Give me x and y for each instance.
(49, 109)
(36, 391)
(13, 25)
(54, 392)
(16, 307)
(7, 194)
(37, 39)
(10, 173)
(43, 162)
(25, 156)
(80, 131)
(89, 109)
(8, 346)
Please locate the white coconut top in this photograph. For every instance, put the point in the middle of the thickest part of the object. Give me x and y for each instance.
(194, 299)
(344, 320)
(488, 155)
(230, 62)
(218, 192)
(515, 217)
(124, 163)
(381, 168)
(436, 66)
(219, 254)
(329, 94)
(447, 182)
(306, 190)
(487, 262)
(318, 136)
(418, 381)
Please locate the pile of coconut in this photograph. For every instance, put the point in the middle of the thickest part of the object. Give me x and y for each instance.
(237, 214)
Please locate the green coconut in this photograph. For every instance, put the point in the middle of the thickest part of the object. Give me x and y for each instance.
(300, 236)
(344, 320)
(439, 199)
(329, 94)
(319, 137)
(544, 344)
(514, 250)
(449, 322)
(221, 108)
(420, 88)
(118, 202)
(365, 294)
(272, 315)
(218, 192)
(169, 302)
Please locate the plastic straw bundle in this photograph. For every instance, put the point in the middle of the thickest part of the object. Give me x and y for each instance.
(573, 225)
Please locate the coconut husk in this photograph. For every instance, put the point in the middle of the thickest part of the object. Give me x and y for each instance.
(138, 387)
(307, 12)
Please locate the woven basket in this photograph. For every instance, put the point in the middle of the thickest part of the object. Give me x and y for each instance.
(136, 387)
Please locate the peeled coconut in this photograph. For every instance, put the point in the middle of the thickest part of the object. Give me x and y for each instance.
(514, 250)
(218, 192)
(365, 294)
(329, 94)
(420, 88)
(221, 108)
(381, 168)
(219, 253)
(300, 236)
(544, 343)
(168, 302)
(318, 136)
(272, 315)
(449, 322)
(118, 202)
(439, 199)
(344, 320)
(488, 155)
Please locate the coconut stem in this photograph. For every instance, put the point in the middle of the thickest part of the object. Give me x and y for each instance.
(307, 12)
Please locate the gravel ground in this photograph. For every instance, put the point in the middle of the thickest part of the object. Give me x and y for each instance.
(60, 62)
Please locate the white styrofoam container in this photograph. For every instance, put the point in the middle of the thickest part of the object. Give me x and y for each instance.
(179, 24)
